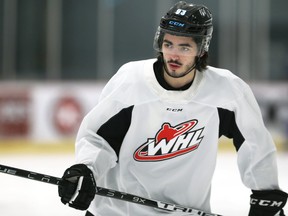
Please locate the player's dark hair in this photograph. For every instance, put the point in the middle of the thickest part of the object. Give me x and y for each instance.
(202, 62)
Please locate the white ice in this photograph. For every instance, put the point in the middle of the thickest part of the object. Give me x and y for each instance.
(20, 196)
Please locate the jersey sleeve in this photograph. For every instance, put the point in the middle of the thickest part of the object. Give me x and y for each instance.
(257, 153)
(96, 138)
(92, 149)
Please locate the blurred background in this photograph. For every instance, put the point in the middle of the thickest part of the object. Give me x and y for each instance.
(56, 56)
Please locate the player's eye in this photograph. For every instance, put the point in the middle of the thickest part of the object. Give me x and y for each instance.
(167, 45)
(185, 49)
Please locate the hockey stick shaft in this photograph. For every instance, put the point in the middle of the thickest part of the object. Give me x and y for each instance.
(105, 192)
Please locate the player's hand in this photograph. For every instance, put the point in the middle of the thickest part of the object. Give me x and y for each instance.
(78, 187)
(267, 203)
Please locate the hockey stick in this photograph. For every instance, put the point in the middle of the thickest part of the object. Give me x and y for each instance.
(106, 192)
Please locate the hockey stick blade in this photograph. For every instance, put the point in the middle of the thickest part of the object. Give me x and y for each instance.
(106, 192)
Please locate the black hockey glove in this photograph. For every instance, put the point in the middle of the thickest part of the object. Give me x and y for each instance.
(78, 187)
(267, 203)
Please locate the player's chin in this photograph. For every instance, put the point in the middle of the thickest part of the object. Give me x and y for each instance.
(174, 74)
(173, 71)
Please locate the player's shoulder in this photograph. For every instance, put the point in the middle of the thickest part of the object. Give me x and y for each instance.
(223, 76)
(221, 73)
(129, 75)
(134, 70)
(223, 82)
(137, 64)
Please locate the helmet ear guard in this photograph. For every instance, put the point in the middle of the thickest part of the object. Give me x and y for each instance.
(186, 20)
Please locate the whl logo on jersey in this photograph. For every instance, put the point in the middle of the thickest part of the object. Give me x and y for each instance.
(170, 142)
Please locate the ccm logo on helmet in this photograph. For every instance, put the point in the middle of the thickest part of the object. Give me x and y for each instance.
(171, 22)
(269, 203)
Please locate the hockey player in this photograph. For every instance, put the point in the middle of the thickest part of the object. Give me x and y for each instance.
(155, 130)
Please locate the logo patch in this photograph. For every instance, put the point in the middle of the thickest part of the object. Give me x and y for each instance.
(170, 142)
(175, 23)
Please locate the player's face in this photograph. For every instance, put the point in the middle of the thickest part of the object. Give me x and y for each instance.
(179, 54)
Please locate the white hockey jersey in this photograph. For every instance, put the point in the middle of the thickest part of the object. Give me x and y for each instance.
(162, 144)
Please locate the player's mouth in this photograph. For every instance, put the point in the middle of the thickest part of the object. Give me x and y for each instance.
(173, 65)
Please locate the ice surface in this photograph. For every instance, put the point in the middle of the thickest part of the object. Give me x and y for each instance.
(21, 196)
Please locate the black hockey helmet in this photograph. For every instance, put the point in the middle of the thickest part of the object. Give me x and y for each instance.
(187, 20)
